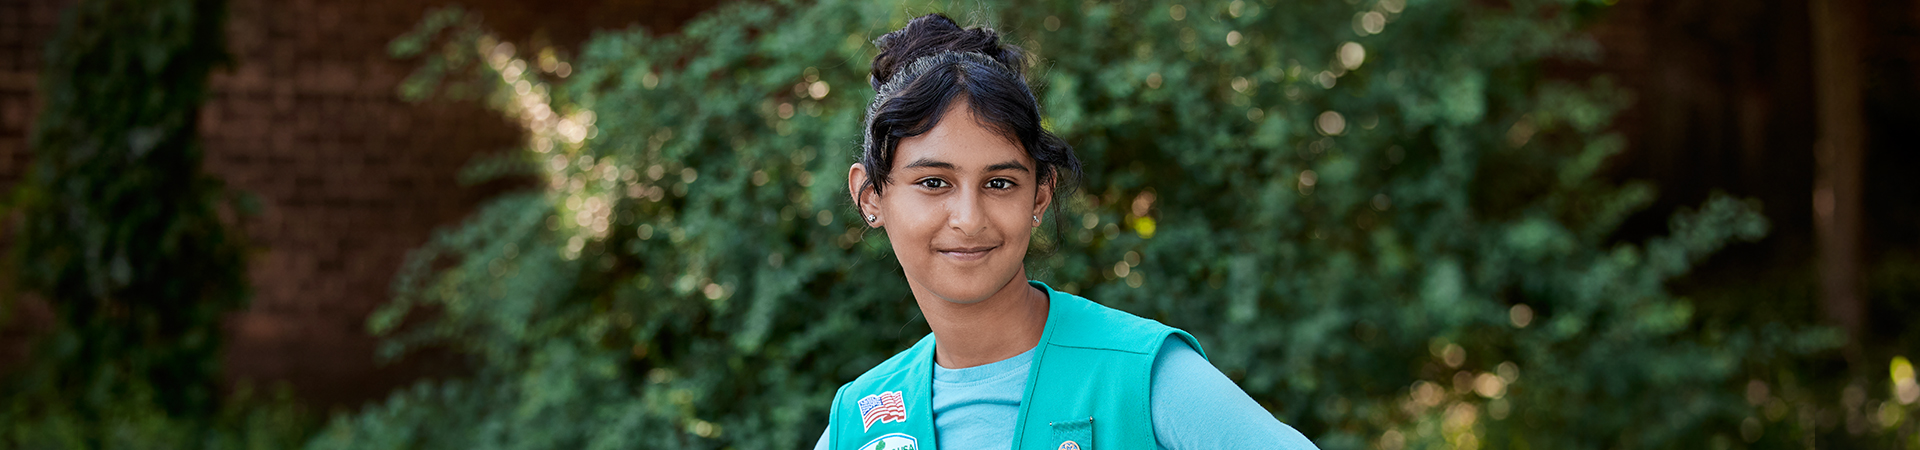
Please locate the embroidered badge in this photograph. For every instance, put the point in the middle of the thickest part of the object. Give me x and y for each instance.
(883, 407)
(1069, 445)
(893, 441)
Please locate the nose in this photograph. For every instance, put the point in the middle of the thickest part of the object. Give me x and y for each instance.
(966, 214)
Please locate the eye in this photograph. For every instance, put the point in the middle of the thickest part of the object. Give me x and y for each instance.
(932, 183)
(1000, 183)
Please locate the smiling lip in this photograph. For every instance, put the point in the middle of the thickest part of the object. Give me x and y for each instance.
(968, 253)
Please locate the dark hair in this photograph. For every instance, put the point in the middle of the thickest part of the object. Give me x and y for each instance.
(927, 65)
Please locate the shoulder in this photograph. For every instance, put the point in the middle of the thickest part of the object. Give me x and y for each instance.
(1083, 323)
(1195, 406)
(1179, 366)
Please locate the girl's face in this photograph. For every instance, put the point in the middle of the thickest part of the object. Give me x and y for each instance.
(959, 208)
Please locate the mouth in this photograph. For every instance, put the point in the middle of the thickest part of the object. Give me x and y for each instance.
(968, 253)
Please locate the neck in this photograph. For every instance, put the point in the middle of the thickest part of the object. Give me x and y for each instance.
(971, 334)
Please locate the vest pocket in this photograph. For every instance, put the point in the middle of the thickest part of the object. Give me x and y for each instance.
(1073, 434)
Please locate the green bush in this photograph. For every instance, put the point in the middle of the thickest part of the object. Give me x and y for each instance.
(1379, 216)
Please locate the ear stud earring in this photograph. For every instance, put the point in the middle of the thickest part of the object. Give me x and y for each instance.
(871, 218)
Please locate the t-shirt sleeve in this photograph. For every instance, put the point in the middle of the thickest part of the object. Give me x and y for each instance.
(1197, 407)
(822, 443)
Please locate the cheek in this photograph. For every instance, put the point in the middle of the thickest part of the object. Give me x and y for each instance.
(1014, 218)
(911, 219)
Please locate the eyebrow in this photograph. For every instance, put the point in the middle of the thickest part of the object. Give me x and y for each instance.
(923, 162)
(1009, 165)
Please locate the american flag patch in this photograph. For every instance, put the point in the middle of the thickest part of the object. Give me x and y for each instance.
(882, 407)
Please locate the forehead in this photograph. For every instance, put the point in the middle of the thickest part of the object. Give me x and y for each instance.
(959, 139)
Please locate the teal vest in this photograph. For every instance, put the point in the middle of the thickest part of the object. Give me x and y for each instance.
(1088, 384)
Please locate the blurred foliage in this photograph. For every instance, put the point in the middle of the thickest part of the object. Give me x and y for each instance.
(122, 234)
(1381, 218)
(136, 420)
(1861, 398)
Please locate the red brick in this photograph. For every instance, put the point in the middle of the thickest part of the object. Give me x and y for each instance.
(350, 176)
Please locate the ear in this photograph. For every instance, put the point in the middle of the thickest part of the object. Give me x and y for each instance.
(1044, 196)
(866, 200)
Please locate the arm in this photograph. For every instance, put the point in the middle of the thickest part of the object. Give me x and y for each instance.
(1197, 407)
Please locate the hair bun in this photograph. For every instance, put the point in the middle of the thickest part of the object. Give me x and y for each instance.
(935, 33)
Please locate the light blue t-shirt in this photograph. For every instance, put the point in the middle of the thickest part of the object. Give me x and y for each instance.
(1194, 406)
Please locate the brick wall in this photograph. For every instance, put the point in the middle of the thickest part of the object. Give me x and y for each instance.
(24, 28)
(350, 176)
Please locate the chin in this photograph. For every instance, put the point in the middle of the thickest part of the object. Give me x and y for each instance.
(964, 295)
(966, 287)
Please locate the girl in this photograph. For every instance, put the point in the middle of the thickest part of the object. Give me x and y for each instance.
(957, 172)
